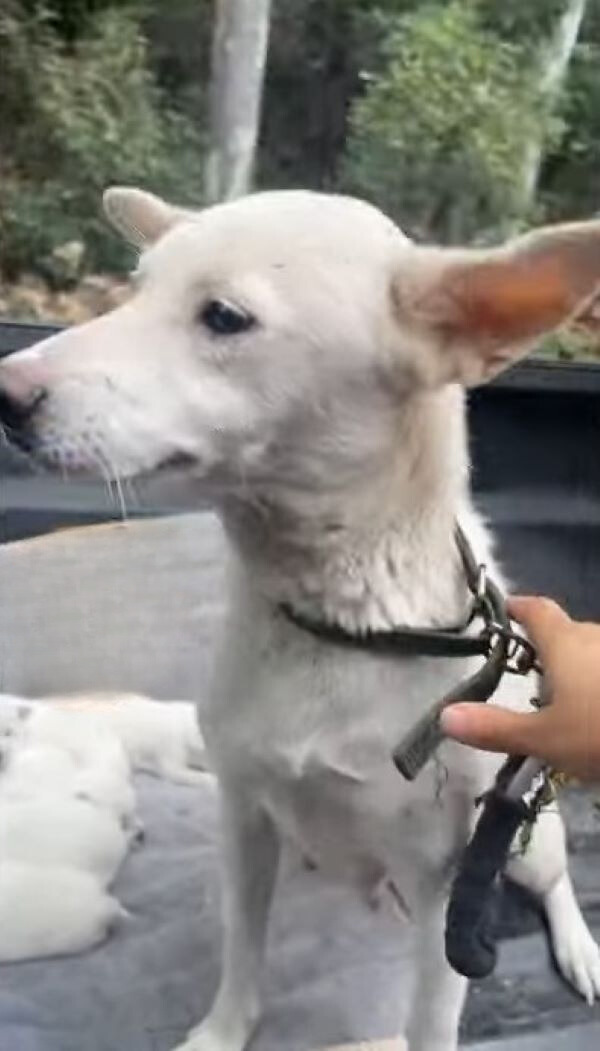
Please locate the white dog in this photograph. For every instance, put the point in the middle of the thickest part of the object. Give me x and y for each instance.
(51, 911)
(305, 362)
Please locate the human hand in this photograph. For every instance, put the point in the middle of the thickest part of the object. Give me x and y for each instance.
(565, 733)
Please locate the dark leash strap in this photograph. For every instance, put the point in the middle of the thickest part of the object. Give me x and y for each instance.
(473, 913)
(412, 642)
(473, 910)
(474, 907)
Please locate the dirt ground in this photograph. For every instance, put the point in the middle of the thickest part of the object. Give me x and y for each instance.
(31, 299)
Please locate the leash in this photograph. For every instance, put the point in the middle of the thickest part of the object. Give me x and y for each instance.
(473, 914)
(522, 784)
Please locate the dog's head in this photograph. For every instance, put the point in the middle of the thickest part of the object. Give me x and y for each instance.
(281, 338)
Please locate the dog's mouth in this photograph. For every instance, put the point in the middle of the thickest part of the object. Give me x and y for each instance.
(177, 462)
(81, 458)
(20, 439)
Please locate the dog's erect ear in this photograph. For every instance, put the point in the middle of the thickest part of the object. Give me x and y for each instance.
(140, 216)
(474, 312)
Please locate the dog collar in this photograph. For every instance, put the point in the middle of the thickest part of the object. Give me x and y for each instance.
(504, 650)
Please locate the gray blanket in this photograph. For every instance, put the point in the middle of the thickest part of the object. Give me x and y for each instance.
(328, 976)
(334, 971)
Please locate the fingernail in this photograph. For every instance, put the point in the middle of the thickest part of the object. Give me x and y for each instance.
(454, 720)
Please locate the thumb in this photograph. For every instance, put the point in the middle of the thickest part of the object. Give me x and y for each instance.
(492, 729)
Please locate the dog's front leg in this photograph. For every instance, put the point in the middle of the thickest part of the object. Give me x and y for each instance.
(251, 854)
(439, 991)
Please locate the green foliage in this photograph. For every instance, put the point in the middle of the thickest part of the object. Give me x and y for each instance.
(524, 22)
(570, 185)
(317, 52)
(71, 18)
(425, 106)
(437, 138)
(570, 344)
(76, 119)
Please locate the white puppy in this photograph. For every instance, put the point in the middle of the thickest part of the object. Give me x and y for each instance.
(39, 723)
(159, 737)
(304, 361)
(67, 832)
(33, 771)
(51, 911)
(108, 786)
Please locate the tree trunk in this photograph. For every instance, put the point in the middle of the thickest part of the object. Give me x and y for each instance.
(239, 53)
(555, 60)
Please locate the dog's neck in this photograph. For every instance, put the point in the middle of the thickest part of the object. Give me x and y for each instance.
(380, 552)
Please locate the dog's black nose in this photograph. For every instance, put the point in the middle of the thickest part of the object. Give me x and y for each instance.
(15, 414)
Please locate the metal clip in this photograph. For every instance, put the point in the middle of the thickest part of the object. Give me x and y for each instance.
(521, 655)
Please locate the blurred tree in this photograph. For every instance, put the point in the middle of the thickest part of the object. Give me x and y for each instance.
(435, 136)
(240, 38)
(317, 52)
(553, 64)
(569, 185)
(75, 118)
(430, 108)
(450, 136)
(71, 18)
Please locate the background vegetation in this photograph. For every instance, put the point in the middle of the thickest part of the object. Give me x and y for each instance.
(465, 119)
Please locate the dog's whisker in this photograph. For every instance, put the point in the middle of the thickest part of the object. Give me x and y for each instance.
(118, 486)
(112, 478)
(96, 457)
(132, 492)
(121, 497)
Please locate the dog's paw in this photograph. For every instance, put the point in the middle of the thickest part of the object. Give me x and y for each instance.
(210, 1037)
(578, 959)
(576, 952)
(199, 1041)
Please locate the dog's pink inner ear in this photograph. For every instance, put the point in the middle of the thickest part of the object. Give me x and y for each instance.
(503, 303)
(489, 307)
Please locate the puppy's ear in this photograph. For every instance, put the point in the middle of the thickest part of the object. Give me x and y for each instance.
(472, 313)
(139, 216)
(23, 712)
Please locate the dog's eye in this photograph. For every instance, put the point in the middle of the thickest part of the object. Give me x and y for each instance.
(225, 319)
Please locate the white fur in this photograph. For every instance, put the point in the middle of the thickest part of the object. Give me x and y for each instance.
(51, 911)
(116, 731)
(34, 770)
(63, 831)
(331, 437)
(77, 734)
(159, 737)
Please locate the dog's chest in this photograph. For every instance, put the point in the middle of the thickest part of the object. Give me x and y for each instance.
(310, 730)
(351, 814)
